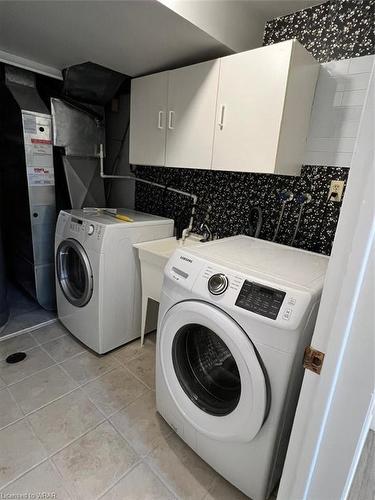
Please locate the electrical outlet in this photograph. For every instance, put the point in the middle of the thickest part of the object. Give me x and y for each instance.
(336, 189)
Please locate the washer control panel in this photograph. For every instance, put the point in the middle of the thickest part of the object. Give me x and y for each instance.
(260, 299)
(76, 225)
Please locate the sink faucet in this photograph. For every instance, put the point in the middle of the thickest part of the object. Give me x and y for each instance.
(204, 227)
(207, 234)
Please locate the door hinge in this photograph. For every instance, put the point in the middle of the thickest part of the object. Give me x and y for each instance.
(313, 360)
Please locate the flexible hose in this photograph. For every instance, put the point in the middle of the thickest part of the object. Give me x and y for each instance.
(258, 210)
(279, 222)
(298, 223)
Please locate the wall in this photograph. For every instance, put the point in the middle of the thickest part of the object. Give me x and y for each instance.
(119, 193)
(338, 102)
(334, 30)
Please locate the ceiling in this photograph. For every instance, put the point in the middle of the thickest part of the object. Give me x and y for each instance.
(134, 36)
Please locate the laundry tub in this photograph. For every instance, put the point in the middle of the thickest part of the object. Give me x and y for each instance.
(153, 256)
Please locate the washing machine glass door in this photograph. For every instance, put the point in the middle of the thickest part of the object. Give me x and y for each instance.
(213, 372)
(206, 369)
(74, 272)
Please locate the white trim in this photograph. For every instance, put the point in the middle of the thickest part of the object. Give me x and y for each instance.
(30, 65)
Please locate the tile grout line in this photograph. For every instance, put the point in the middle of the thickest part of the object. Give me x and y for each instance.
(31, 374)
(116, 411)
(48, 341)
(35, 465)
(50, 402)
(137, 462)
(50, 355)
(160, 477)
(89, 380)
(136, 376)
(87, 431)
(23, 473)
(18, 406)
(51, 457)
(61, 477)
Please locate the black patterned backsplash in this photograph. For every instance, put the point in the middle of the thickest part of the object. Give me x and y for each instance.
(338, 29)
(232, 195)
(333, 30)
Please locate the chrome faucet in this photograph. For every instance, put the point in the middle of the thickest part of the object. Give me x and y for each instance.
(207, 234)
(204, 227)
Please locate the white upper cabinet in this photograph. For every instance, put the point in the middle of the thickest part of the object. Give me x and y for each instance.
(192, 93)
(263, 109)
(148, 119)
(246, 112)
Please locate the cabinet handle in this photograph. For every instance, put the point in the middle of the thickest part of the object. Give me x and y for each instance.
(170, 120)
(160, 120)
(221, 122)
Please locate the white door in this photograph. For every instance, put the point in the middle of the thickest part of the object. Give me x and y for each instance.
(250, 104)
(335, 408)
(148, 114)
(211, 369)
(192, 93)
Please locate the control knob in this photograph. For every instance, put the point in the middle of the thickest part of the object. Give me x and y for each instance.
(217, 284)
(91, 229)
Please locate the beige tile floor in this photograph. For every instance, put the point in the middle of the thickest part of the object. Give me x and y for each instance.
(83, 426)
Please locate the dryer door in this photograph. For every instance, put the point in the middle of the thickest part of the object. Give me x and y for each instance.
(212, 372)
(74, 272)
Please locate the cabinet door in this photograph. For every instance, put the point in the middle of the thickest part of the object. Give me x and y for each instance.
(250, 106)
(148, 114)
(192, 94)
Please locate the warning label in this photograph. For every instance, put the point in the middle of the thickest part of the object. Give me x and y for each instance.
(29, 124)
(41, 141)
(40, 176)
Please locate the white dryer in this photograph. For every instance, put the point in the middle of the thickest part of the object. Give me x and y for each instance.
(98, 284)
(234, 319)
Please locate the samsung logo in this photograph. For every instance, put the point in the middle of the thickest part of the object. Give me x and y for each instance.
(186, 259)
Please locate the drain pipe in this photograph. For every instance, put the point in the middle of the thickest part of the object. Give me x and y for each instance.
(187, 230)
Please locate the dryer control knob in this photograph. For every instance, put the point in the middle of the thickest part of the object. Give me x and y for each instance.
(217, 284)
(91, 229)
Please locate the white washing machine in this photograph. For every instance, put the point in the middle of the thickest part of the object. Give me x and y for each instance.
(98, 283)
(234, 319)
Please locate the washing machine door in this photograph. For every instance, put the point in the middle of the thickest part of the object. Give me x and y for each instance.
(74, 272)
(213, 372)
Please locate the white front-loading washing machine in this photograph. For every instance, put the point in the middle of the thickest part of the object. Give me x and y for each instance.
(234, 319)
(98, 284)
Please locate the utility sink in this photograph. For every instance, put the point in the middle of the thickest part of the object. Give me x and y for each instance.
(153, 256)
(157, 252)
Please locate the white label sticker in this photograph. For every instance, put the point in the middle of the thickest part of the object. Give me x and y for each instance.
(29, 124)
(40, 176)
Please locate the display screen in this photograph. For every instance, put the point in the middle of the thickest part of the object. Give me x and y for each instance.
(266, 291)
(260, 299)
(180, 273)
(77, 221)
